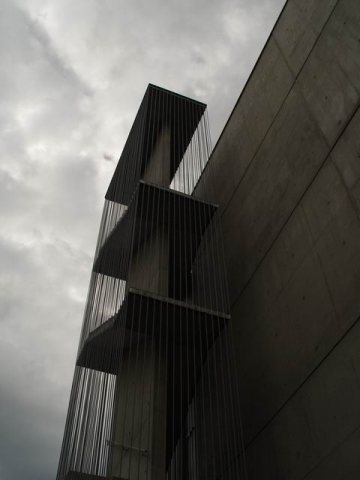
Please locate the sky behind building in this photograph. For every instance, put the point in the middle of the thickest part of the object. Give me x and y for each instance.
(72, 77)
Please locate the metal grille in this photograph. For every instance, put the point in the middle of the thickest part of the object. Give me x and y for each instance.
(154, 394)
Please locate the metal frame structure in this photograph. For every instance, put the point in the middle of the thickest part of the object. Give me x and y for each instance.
(154, 395)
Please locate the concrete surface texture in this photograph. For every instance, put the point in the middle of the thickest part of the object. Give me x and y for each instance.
(287, 179)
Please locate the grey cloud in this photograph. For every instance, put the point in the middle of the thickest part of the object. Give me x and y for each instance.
(34, 390)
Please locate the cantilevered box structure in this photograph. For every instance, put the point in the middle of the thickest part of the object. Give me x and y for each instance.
(154, 395)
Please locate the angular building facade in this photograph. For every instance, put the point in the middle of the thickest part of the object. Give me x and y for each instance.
(287, 182)
(284, 181)
(154, 395)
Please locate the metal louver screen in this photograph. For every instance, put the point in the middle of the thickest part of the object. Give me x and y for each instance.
(154, 394)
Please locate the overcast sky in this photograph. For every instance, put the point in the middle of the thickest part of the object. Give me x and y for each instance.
(72, 75)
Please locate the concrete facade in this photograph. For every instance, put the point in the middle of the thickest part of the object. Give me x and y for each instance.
(286, 173)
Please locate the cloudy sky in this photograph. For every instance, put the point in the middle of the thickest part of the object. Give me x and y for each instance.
(72, 75)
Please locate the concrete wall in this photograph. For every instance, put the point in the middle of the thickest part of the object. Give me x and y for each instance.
(158, 167)
(286, 173)
(140, 423)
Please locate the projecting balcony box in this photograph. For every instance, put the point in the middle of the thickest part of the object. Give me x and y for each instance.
(184, 333)
(181, 221)
(144, 314)
(164, 119)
